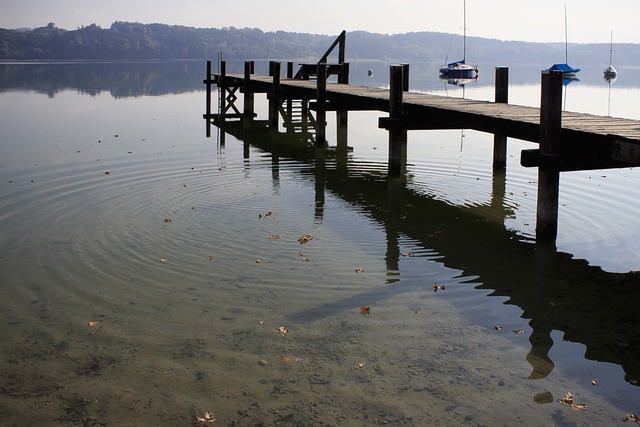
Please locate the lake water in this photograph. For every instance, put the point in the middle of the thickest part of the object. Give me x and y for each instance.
(146, 270)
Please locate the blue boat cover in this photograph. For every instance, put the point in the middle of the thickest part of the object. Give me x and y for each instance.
(565, 68)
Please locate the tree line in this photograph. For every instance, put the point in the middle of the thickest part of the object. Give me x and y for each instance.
(136, 41)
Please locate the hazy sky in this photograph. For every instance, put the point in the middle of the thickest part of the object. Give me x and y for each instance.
(530, 20)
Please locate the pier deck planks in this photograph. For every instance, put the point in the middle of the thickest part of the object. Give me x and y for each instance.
(430, 110)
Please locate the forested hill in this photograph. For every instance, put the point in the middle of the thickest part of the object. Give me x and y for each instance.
(135, 41)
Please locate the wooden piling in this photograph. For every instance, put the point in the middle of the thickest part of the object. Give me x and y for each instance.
(549, 146)
(397, 135)
(289, 70)
(248, 107)
(274, 99)
(321, 97)
(500, 140)
(405, 77)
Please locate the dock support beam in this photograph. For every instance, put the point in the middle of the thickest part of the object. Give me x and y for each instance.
(274, 98)
(397, 134)
(321, 111)
(549, 168)
(248, 107)
(499, 140)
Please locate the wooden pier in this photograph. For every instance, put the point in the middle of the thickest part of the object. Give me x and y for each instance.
(567, 141)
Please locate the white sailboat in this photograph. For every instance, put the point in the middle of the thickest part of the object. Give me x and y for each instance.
(460, 69)
(610, 72)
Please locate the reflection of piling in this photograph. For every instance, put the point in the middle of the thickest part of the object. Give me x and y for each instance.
(549, 168)
(500, 140)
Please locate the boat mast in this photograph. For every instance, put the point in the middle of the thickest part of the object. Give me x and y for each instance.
(611, 49)
(566, 37)
(464, 32)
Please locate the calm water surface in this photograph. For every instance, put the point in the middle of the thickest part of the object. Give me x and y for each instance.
(145, 269)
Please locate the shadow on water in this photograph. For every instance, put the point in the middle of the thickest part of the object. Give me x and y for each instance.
(553, 290)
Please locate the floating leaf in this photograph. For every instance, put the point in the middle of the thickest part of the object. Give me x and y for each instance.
(518, 331)
(632, 417)
(409, 254)
(92, 323)
(275, 236)
(359, 270)
(594, 381)
(164, 260)
(497, 327)
(437, 287)
(282, 330)
(167, 220)
(568, 400)
(365, 310)
(305, 238)
(207, 417)
(258, 261)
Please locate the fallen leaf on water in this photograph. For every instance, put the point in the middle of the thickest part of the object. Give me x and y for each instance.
(265, 215)
(518, 331)
(568, 400)
(365, 310)
(207, 417)
(163, 260)
(167, 220)
(275, 236)
(361, 365)
(437, 287)
(210, 257)
(305, 238)
(282, 330)
(92, 323)
(594, 382)
(632, 417)
(258, 261)
(409, 254)
(359, 270)
(497, 327)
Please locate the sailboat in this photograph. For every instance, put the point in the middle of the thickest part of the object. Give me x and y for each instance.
(460, 69)
(568, 72)
(610, 72)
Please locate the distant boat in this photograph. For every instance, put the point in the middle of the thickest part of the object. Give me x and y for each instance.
(568, 72)
(460, 69)
(610, 72)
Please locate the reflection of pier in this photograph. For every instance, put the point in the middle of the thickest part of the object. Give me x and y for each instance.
(554, 291)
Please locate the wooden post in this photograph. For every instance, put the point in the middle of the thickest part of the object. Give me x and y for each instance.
(548, 170)
(207, 115)
(344, 74)
(499, 140)
(321, 97)
(405, 77)
(222, 89)
(248, 93)
(397, 135)
(274, 99)
(289, 70)
(207, 82)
